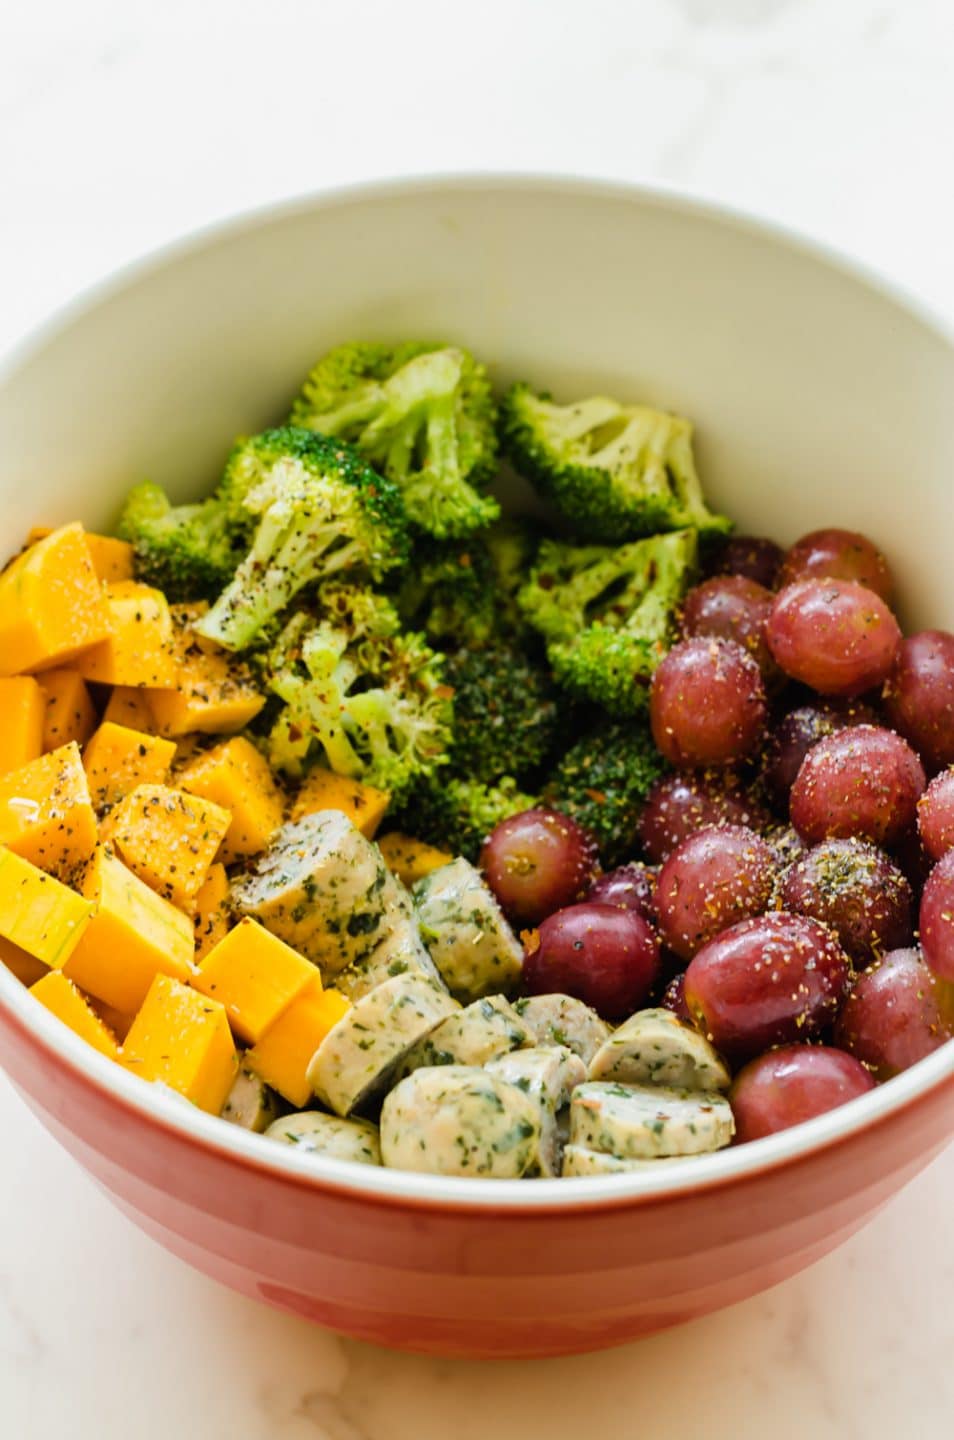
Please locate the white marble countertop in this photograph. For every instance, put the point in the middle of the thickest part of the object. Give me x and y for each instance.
(124, 123)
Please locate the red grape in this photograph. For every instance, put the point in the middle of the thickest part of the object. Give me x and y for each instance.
(753, 556)
(768, 980)
(795, 734)
(862, 782)
(679, 805)
(795, 1083)
(833, 635)
(732, 607)
(537, 862)
(837, 555)
(853, 888)
(712, 879)
(919, 696)
(891, 1019)
(936, 815)
(707, 703)
(604, 956)
(674, 998)
(631, 887)
(937, 918)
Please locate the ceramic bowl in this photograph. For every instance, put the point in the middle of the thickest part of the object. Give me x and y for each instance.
(820, 398)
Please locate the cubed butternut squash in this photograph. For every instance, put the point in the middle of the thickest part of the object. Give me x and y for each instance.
(117, 759)
(22, 713)
(112, 559)
(70, 713)
(409, 859)
(52, 606)
(133, 936)
(182, 1039)
(118, 1021)
(322, 789)
(129, 705)
(26, 967)
(213, 693)
(62, 998)
(39, 914)
(255, 975)
(168, 838)
(237, 776)
(282, 1056)
(46, 814)
(139, 648)
(211, 919)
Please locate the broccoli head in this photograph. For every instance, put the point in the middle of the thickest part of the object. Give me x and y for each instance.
(608, 616)
(614, 471)
(506, 717)
(447, 590)
(360, 696)
(188, 551)
(511, 544)
(317, 509)
(602, 782)
(421, 414)
(458, 815)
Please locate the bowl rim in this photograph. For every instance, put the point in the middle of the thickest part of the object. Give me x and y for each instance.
(162, 1108)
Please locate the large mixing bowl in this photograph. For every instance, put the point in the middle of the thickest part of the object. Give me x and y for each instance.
(820, 399)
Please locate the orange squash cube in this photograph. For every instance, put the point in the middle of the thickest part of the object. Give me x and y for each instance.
(213, 694)
(182, 1039)
(168, 838)
(26, 967)
(22, 713)
(255, 975)
(133, 936)
(139, 649)
(322, 789)
(51, 604)
(46, 814)
(61, 997)
(282, 1056)
(118, 1021)
(112, 559)
(117, 759)
(37, 913)
(211, 919)
(70, 713)
(409, 859)
(129, 705)
(238, 777)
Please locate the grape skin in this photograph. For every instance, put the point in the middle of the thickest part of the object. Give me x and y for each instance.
(707, 704)
(833, 635)
(863, 782)
(788, 1086)
(712, 879)
(838, 555)
(766, 981)
(891, 1018)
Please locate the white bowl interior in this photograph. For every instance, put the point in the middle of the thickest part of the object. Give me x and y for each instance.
(819, 399)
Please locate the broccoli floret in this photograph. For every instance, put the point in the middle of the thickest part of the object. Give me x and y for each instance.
(188, 551)
(360, 696)
(458, 815)
(614, 471)
(447, 590)
(506, 717)
(423, 415)
(317, 509)
(603, 780)
(608, 615)
(512, 545)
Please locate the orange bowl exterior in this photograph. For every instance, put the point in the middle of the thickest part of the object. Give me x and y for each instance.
(486, 1281)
